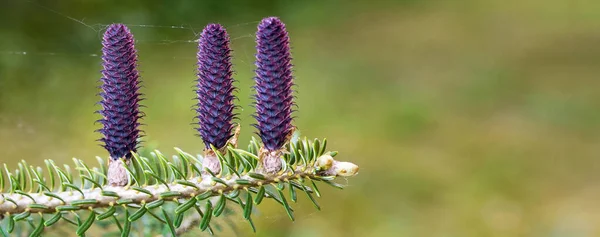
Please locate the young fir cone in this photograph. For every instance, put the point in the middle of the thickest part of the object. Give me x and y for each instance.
(120, 98)
(215, 92)
(274, 99)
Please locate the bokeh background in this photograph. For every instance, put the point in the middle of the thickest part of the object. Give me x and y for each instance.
(467, 117)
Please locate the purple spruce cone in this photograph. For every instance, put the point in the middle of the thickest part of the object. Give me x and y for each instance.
(274, 97)
(120, 96)
(215, 87)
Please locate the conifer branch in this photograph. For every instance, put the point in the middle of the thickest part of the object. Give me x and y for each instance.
(156, 182)
(205, 185)
(162, 192)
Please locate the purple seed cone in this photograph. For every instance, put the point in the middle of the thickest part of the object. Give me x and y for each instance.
(274, 97)
(119, 92)
(215, 87)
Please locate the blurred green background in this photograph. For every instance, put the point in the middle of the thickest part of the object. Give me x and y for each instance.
(467, 117)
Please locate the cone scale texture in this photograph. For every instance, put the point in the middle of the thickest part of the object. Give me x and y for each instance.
(119, 92)
(274, 99)
(215, 87)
